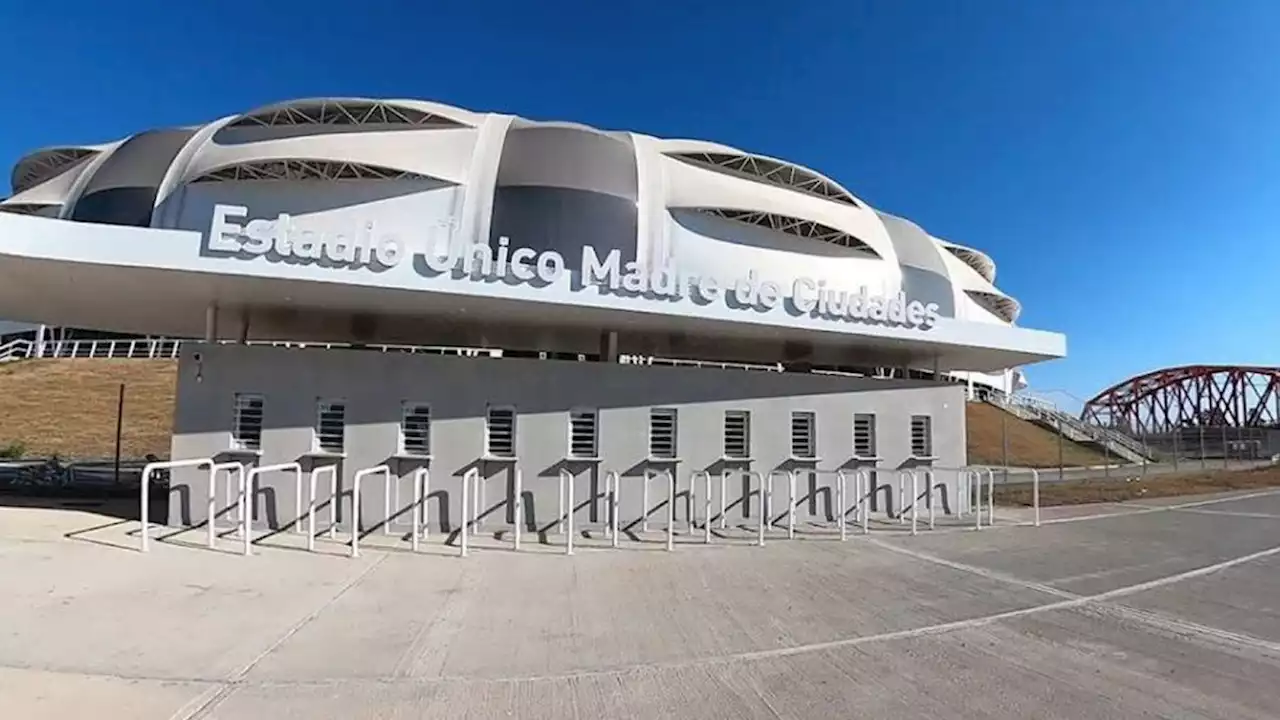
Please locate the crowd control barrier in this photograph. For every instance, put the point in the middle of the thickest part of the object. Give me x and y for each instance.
(314, 477)
(854, 490)
(567, 488)
(470, 479)
(671, 508)
(355, 502)
(706, 502)
(249, 492)
(611, 481)
(147, 471)
(566, 478)
(234, 469)
(790, 477)
(861, 493)
(420, 519)
(517, 509)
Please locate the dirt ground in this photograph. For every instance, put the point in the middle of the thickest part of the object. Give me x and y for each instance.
(1076, 492)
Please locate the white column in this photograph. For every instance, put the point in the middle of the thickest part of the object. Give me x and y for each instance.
(211, 323)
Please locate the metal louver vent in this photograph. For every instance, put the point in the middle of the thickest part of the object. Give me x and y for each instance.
(921, 436)
(415, 429)
(500, 432)
(803, 442)
(582, 434)
(246, 422)
(737, 434)
(864, 435)
(331, 426)
(662, 433)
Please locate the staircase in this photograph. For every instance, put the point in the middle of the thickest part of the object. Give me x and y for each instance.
(1048, 415)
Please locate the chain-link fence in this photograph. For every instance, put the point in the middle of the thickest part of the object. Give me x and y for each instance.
(1002, 438)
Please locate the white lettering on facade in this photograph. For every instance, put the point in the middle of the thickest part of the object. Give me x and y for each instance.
(286, 239)
(232, 231)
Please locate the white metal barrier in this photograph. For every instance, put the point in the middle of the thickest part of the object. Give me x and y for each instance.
(517, 507)
(150, 468)
(762, 514)
(1035, 495)
(671, 508)
(355, 503)
(566, 477)
(644, 497)
(567, 517)
(478, 503)
(212, 513)
(248, 494)
(468, 478)
(706, 502)
(929, 490)
(420, 518)
(790, 477)
(861, 481)
(314, 475)
(724, 494)
(611, 489)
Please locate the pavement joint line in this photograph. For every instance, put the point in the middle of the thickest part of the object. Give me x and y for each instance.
(752, 655)
(1145, 509)
(1100, 600)
(231, 682)
(1149, 617)
(1231, 513)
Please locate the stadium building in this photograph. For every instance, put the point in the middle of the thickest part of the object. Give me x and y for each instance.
(572, 256)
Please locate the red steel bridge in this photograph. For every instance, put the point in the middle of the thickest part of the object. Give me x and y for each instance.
(1189, 396)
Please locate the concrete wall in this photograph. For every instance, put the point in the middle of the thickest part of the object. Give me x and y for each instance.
(374, 386)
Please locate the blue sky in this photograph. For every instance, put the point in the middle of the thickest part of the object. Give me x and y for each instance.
(1119, 160)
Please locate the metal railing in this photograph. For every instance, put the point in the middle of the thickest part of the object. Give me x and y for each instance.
(1043, 412)
(164, 348)
(960, 499)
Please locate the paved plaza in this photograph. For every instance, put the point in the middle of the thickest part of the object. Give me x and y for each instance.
(1167, 608)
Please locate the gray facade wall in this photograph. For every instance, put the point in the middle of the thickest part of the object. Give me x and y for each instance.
(459, 390)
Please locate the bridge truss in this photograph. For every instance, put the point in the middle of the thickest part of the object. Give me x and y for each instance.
(1190, 396)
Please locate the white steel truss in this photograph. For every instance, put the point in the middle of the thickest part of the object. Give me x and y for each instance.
(329, 112)
(982, 264)
(47, 165)
(798, 227)
(773, 172)
(1005, 308)
(26, 208)
(305, 170)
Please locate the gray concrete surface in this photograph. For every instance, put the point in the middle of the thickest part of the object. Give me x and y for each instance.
(1160, 609)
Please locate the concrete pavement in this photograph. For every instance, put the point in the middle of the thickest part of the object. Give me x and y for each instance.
(1166, 608)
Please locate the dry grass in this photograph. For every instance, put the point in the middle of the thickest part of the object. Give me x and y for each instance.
(1029, 444)
(1078, 492)
(68, 407)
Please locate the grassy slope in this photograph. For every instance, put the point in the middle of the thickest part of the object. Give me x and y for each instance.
(69, 406)
(1029, 444)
